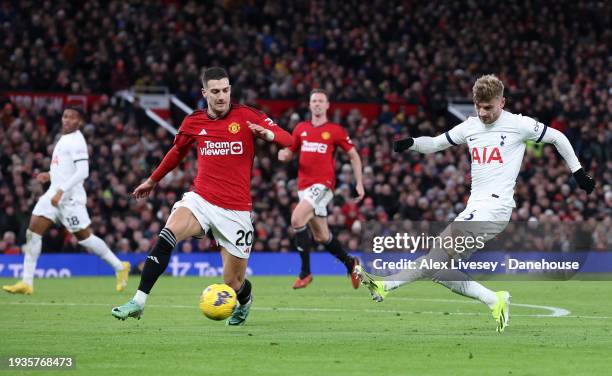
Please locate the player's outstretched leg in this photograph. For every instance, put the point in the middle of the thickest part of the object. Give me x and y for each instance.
(303, 244)
(376, 288)
(155, 265)
(461, 283)
(380, 288)
(98, 247)
(31, 251)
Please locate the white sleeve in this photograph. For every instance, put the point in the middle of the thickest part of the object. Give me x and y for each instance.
(79, 155)
(564, 147)
(531, 129)
(78, 149)
(429, 145)
(81, 173)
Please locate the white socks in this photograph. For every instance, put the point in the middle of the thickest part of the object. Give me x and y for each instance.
(455, 280)
(31, 250)
(97, 246)
(33, 247)
(411, 275)
(471, 289)
(140, 298)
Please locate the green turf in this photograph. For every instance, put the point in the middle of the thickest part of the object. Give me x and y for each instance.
(325, 329)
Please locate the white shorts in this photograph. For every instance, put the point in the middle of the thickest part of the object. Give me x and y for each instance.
(70, 212)
(232, 229)
(318, 196)
(483, 219)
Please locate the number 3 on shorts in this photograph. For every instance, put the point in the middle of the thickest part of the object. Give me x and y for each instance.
(244, 238)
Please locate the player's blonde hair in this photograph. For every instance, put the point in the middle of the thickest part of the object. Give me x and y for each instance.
(486, 88)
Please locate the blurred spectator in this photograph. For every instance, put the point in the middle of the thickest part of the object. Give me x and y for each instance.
(7, 245)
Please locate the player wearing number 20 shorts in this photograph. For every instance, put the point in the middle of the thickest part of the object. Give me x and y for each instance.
(224, 136)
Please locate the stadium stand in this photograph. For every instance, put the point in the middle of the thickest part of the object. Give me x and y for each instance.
(413, 52)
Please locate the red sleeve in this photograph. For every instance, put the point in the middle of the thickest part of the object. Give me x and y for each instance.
(281, 136)
(296, 139)
(180, 148)
(343, 140)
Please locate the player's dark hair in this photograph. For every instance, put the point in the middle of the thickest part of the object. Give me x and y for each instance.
(213, 73)
(319, 91)
(79, 110)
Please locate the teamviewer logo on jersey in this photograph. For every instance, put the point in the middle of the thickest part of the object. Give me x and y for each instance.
(211, 148)
(314, 147)
(236, 147)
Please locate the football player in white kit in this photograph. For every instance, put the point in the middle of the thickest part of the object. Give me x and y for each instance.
(496, 141)
(65, 202)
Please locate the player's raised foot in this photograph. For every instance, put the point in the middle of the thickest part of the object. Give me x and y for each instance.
(122, 276)
(240, 314)
(501, 310)
(376, 288)
(19, 288)
(129, 309)
(300, 283)
(354, 277)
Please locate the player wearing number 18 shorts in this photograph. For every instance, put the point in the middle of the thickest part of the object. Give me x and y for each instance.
(316, 140)
(64, 202)
(224, 136)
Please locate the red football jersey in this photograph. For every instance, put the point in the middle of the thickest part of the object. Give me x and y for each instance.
(225, 154)
(317, 146)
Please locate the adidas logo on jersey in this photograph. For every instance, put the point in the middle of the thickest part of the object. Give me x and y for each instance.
(202, 132)
(153, 258)
(304, 134)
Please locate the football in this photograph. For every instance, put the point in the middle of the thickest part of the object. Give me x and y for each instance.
(218, 301)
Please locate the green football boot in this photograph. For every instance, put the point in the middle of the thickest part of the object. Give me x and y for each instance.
(129, 309)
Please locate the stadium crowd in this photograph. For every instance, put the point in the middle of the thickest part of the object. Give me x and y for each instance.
(405, 51)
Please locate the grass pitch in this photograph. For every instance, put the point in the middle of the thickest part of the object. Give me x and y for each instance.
(325, 329)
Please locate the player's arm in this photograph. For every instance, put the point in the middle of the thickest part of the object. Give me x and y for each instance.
(427, 145)
(564, 147)
(80, 174)
(180, 149)
(269, 131)
(343, 140)
(286, 154)
(42, 177)
(357, 171)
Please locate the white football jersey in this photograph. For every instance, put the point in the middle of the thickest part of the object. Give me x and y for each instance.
(496, 152)
(70, 148)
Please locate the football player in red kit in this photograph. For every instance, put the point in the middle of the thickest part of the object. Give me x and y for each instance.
(316, 140)
(224, 135)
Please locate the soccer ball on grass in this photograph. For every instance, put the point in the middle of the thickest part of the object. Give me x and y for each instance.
(218, 301)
